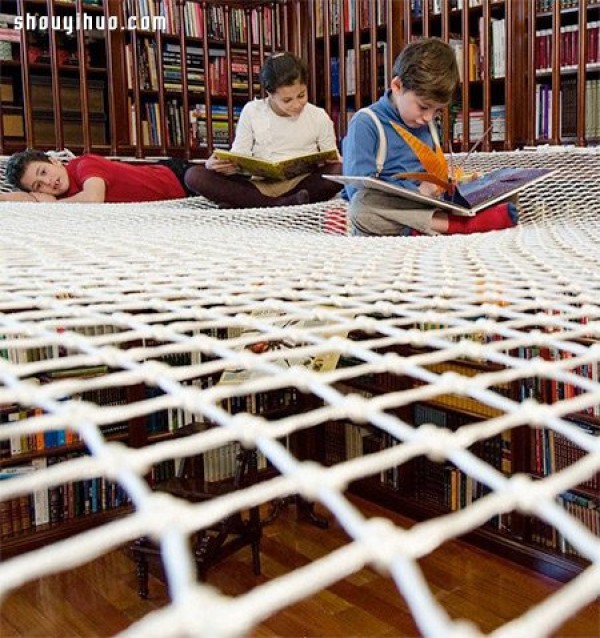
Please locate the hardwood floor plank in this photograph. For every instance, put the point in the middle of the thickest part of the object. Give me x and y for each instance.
(100, 598)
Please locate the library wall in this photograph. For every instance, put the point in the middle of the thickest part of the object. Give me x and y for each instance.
(138, 77)
(175, 84)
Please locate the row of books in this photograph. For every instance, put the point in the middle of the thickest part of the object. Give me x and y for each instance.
(357, 14)
(478, 64)
(218, 82)
(35, 442)
(195, 16)
(476, 130)
(584, 509)
(219, 118)
(435, 6)
(568, 110)
(552, 452)
(465, 403)
(27, 353)
(496, 450)
(178, 127)
(448, 487)
(261, 403)
(568, 46)
(548, 390)
(173, 419)
(221, 463)
(59, 503)
(364, 64)
(545, 6)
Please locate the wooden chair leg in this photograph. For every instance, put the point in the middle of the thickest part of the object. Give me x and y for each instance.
(141, 568)
(256, 557)
(202, 555)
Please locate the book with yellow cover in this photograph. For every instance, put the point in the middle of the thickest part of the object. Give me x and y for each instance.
(283, 169)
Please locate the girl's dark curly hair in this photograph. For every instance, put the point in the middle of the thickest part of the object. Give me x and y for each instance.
(17, 164)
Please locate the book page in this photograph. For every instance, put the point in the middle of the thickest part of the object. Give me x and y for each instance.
(499, 183)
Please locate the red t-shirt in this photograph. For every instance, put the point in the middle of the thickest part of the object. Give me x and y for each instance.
(124, 182)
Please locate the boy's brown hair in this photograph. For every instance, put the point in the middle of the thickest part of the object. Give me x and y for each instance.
(428, 67)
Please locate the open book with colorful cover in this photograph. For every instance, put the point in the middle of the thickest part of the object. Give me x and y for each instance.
(283, 169)
(466, 198)
(288, 351)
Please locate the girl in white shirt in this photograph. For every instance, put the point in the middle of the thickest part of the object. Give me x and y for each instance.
(278, 127)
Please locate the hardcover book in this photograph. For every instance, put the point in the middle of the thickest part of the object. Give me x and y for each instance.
(468, 198)
(288, 353)
(283, 169)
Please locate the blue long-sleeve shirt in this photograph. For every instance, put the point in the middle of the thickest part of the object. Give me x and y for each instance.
(362, 142)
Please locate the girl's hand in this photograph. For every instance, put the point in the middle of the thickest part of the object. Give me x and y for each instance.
(225, 167)
(43, 197)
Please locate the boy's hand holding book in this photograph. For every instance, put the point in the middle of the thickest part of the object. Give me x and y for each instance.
(465, 178)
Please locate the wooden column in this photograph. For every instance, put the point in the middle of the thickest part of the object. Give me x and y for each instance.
(187, 151)
(207, 81)
(59, 137)
(83, 83)
(582, 54)
(556, 133)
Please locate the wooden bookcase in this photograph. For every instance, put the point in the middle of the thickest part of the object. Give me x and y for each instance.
(564, 99)
(350, 51)
(488, 39)
(59, 79)
(57, 512)
(181, 105)
(423, 489)
(147, 91)
(144, 88)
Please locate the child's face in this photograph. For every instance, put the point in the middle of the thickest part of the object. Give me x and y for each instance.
(288, 101)
(414, 110)
(50, 178)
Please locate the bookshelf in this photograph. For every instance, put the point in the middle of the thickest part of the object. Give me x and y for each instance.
(488, 39)
(60, 511)
(350, 49)
(171, 116)
(161, 77)
(169, 78)
(423, 488)
(60, 77)
(564, 97)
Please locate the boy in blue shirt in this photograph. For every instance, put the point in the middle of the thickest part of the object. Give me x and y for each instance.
(425, 77)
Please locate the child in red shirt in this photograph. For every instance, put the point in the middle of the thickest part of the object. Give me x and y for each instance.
(92, 178)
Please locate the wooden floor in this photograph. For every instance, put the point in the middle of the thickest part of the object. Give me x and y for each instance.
(100, 598)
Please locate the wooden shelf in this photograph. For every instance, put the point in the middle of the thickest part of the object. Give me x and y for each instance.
(551, 564)
(124, 132)
(52, 532)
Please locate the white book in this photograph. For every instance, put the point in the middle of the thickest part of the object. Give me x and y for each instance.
(468, 199)
(40, 497)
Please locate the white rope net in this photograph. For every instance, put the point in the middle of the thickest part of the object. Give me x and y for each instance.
(171, 295)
